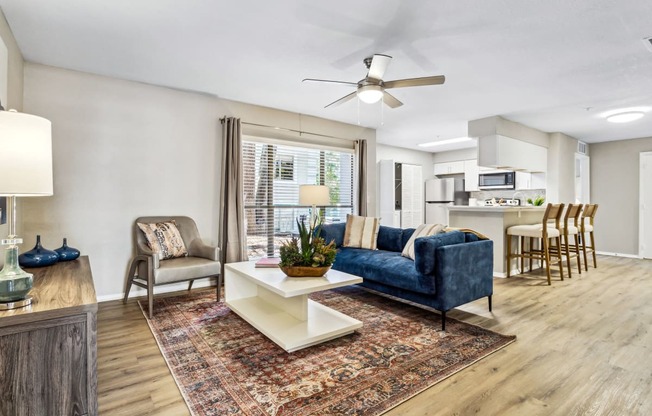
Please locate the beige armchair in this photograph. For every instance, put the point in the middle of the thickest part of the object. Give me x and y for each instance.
(148, 270)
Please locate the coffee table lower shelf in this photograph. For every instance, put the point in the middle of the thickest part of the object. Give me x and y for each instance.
(290, 333)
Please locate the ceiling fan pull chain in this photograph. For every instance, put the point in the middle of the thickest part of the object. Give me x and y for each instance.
(358, 100)
(382, 110)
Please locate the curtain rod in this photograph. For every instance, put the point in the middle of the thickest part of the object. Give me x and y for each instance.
(290, 130)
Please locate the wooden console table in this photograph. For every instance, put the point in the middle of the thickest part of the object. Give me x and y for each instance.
(48, 350)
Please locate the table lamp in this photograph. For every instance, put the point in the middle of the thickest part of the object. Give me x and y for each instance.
(26, 163)
(314, 195)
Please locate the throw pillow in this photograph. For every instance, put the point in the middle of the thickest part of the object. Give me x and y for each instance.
(164, 238)
(361, 232)
(424, 230)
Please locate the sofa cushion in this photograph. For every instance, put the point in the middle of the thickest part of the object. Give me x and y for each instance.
(385, 267)
(333, 232)
(423, 230)
(425, 248)
(361, 232)
(390, 238)
(405, 237)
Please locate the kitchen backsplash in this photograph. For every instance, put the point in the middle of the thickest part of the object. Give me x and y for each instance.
(508, 194)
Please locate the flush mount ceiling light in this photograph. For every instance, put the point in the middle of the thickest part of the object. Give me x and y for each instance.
(370, 93)
(447, 141)
(625, 117)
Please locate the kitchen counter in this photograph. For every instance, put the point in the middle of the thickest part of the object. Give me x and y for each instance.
(493, 222)
(499, 208)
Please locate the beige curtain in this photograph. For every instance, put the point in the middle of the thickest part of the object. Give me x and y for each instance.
(361, 176)
(232, 237)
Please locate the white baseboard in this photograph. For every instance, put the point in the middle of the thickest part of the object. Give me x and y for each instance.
(139, 291)
(630, 256)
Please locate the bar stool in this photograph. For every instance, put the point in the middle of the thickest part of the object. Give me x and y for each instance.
(573, 213)
(588, 216)
(543, 231)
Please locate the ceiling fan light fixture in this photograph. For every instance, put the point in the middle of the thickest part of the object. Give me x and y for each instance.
(370, 94)
(625, 117)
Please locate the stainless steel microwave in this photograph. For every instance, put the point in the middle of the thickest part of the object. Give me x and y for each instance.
(501, 180)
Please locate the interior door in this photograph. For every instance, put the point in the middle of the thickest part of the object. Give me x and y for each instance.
(645, 209)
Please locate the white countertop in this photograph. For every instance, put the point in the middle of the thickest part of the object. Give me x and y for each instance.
(498, 208)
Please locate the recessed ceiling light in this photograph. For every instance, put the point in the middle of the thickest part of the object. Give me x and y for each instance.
(625, 117)
(447, 141)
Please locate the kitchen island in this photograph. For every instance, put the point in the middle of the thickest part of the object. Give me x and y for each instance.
(493, 222)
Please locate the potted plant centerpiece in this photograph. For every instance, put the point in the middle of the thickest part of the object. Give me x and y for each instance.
(308, 255)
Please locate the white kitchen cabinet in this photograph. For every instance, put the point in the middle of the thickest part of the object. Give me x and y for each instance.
(449, 168)
(523, 181)
(400, 194)
(503, 152)
(471, 172)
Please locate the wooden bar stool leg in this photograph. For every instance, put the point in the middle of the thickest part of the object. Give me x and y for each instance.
(546, 255)
(586, 262)
(559, 257)
(531, 248)
(595, 264)
(509, 254)
(570, 275)
(577, 253)
(522, 242)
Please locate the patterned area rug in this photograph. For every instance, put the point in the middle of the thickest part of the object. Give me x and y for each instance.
(224, 366)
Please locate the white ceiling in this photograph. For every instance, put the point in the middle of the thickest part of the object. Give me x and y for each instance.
(555, 65)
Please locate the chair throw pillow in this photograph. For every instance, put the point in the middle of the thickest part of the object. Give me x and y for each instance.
(361, 232)
(424, 230)
(164, 238)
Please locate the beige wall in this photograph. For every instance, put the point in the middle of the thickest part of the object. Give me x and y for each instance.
(615, 187)
(402, 155)
(123, 149)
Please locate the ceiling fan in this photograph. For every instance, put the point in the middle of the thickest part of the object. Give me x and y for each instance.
(372, 88)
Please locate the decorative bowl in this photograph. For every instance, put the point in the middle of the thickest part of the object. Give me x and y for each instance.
(305, 271)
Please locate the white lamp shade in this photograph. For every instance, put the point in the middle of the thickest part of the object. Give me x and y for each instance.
(314, 195)
(25, 155)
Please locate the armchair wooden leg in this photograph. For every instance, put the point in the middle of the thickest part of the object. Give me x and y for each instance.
(130, 278)
(219, 287)
(150, 293)
(489, 298)
(190, 284)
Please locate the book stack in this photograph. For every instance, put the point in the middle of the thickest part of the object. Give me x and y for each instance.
(268, 262)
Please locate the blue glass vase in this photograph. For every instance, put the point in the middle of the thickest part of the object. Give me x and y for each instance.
(38, 256)
(66, 253)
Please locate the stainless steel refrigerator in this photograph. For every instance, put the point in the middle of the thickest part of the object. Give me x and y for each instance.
(440, 194)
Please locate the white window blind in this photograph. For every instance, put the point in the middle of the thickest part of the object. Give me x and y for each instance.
(272, 175)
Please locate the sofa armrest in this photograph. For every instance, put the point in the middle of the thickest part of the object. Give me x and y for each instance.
(464, 272)
(426, 247)
(198, 248)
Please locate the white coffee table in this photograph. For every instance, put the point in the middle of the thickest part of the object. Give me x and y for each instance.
(278, 306)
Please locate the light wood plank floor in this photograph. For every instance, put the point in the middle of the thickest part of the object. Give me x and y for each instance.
(583, 348)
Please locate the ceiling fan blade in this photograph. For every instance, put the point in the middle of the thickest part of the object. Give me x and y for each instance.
(390, 100)
(378, 66)
(342, 100)
(415, 82)
(329, 80)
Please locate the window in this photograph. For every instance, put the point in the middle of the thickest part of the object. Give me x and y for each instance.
(273, 173)
(284, 167)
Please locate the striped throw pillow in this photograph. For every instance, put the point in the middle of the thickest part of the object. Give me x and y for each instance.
(424, 230)
(361, 232)
(164, 238)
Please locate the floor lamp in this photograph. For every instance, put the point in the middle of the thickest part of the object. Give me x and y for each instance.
(26, 161)
(314, 195)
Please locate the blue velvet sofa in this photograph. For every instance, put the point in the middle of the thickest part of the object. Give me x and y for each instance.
(449, 269)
